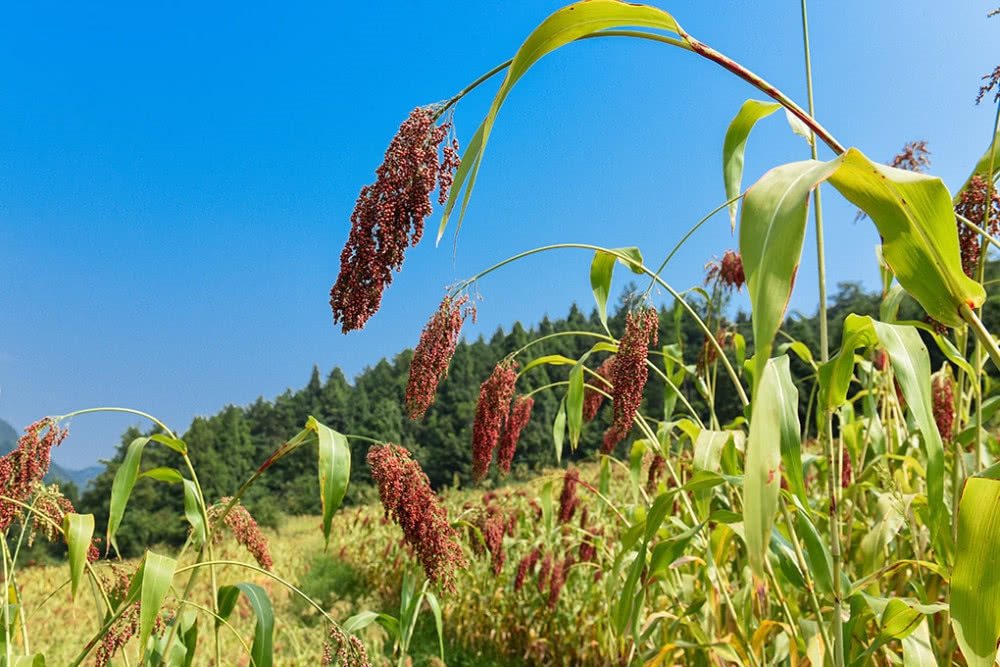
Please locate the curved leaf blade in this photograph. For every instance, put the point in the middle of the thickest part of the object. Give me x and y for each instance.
(262, 650)
(150, 585)
(79, 532)
(975, 588)
(762, 467)
(192, 512)
(121, 487)
(334, 471)
(574, 405)
(566, 25)
(734, 146)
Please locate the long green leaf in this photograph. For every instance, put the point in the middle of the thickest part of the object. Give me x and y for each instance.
(574, 405)
(164, 474)
(735, 145)
(564, 26)
(192, 512)
(79, 532)
(791, 450)
(975, 587)
(121, 487)
(551, 359)
(435, 606)
(262, 650)
(150, 585)
(772, 229)
(762, 469)
(559, 430)
(334, 471)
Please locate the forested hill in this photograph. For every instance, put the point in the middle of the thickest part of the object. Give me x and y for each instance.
(227, 447)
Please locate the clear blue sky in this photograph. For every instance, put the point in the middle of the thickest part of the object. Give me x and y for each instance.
(176, 179)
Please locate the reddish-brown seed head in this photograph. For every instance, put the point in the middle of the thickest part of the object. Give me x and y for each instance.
(629, 372)
(434, 352)
(592, 399)
(491, 413)
(389, 216)
(520, 415)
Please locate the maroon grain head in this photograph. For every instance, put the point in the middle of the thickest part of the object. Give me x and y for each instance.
(491, 413)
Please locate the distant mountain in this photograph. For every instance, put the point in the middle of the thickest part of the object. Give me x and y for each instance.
(8, 441)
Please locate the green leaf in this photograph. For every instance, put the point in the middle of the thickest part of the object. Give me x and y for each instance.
(173, 443)
(559, 430)
(600, 282)
(550, 359)
(772, 229)
(912, 212)
(983, 168)
(334, 471)
(708, 450)
(668, 551)
(33, 660)
(262, 650)
(639, 449)
(735, 145)
(564, 26)
(898, 621)
(79, 532)
(121, 488)
(163, 474)
(911, 365)
(788, 404)
(547, 506)
(914, 215)
(918, 651)
(192, 512)
(798, 127)
(816, 550)
(975, 588)
(762, 468)
(150, 585)
(574, 405)
(362, 620)
(432, 602)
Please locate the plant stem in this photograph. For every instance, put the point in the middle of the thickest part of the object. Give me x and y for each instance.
(981, 333)
(824, 352)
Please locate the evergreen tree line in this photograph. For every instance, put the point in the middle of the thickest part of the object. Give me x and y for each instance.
(229, 446)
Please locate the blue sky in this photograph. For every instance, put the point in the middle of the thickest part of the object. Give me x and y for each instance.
(176, 179)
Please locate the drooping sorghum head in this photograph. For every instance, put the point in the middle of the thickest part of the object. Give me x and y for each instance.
(50, 507)
(116, 585)
(544, 571)
(846, 470)
(709, 352)
(628, 374)
(434, 352)
(943, 394)
(656, 467)
(991, 80)
(246, 532)
(980, 204)
(913, 157)
(526, 565)
(557, 580)
(26, 465)
(567, 498)
(592, 399)
(491, 413)
(612, 437)
(389, 216)
(344, 650)
(408, 499)
(728, 271)
(492, 528)
(520, 415)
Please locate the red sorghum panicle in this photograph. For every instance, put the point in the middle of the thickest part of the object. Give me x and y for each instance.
(26, 465)
(944, 404)
(50, 508)
(913, 157)
(492, 528)
(656, 468)
(544, 571)
(612, 437)
(728, 271)
(117, 586)
(245, 530)
(567, 499)
(389, 216)
(846, 470)
(344, 650)
(434, 352)
(980, 209)
(407, 497)
(526, 565)
(628, 374)
(991, 80)
(491, 413)
(593, 399)
(557, 580)
(520, 415)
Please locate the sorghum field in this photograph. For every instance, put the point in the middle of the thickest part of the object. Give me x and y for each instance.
(773, 490)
